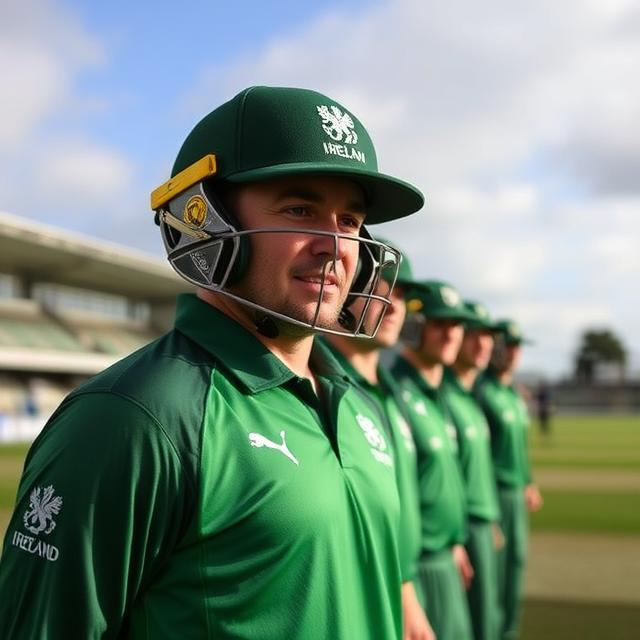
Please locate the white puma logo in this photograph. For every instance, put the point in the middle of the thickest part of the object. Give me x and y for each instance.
(258, 440)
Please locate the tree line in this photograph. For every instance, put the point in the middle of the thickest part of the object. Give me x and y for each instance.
(599, 347)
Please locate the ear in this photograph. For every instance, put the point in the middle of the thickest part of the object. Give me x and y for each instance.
(412, 330)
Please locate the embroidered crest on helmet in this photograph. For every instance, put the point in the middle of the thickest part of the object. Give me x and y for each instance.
(480, 311)
(195, 211)
(450, 296)
(337, 125)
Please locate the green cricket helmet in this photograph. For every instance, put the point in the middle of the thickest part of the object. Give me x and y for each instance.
(405, 273)
(430, 299)
(480, 320)
(436, 299)
(264, 133)
(510, 332)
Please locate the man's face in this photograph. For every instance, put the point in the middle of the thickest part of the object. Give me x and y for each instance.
(506, 357)
(286, 270)
(391, 325)
(441, 340)
(512, 357)
(476, 349)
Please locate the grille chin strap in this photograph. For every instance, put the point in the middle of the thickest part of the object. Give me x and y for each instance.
(361, 313)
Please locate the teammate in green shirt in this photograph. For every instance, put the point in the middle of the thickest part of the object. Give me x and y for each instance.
(432, 335)
(361, 359)
(229, 480)
(508, 421)
(474, 450)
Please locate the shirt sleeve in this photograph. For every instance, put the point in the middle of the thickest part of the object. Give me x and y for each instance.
(406, 551)
(100, 506)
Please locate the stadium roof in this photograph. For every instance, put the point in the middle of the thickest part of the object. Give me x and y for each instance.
(49, 361)
(42, 253)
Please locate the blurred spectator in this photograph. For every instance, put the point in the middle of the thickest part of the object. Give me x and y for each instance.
(543, 409)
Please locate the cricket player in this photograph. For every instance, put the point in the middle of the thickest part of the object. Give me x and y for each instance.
(474, 451)
(432, 335)
(361, 359)
(508, 421)
(229, 480)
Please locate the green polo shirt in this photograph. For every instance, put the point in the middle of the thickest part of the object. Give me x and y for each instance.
(199, 489)
(474, 448)
(389, 398)
(508, 421)
(442, 498)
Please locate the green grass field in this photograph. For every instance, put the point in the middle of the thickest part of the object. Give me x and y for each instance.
(596, 443)
(589, 472)
(590, 449)
(610, 512)
(544, 620)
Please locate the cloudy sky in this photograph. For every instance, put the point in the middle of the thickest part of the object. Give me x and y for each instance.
(516, 118)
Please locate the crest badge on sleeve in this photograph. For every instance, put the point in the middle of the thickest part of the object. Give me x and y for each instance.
(43, 505)
(39, 518)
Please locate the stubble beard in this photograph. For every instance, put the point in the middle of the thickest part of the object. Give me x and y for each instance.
(328, 313)
(272, 299)
(327, 316)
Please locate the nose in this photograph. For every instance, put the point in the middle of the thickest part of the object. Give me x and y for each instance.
(330, 245)
(450, 328)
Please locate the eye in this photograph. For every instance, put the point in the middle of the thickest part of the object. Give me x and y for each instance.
(298, 211)
(352, 223)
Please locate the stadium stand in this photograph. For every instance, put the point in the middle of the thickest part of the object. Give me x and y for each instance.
(70, 306)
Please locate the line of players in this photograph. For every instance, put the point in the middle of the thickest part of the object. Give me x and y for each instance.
(459, 430)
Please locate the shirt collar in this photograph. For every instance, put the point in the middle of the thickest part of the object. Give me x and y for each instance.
(327, 363)
(238, 351)
(386, 384)
(403, 367)
(451, 379)
(350, 371)
(490, 375)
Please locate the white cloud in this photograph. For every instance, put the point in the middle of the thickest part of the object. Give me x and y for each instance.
(41, 48)
(82, 172)
(50, 166)
(462, 203)
(37, 86)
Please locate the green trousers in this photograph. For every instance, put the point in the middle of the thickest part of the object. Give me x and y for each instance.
(512, 558)
(483, 594)
(440, 591)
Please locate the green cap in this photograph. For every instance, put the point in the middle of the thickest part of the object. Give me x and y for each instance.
(481, 320)
(435, 299)
(405, 274)
(511, 332)
(268, 132)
